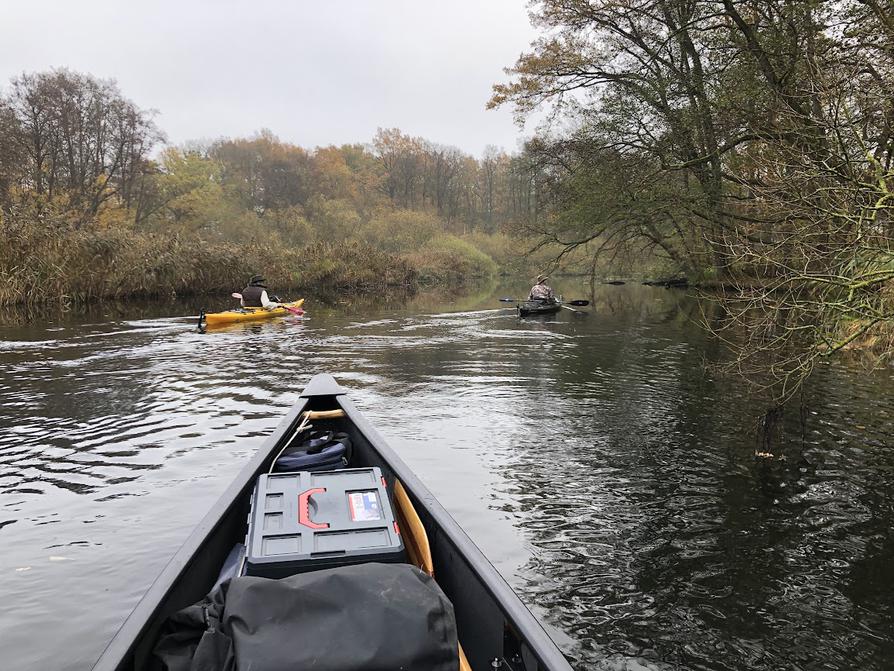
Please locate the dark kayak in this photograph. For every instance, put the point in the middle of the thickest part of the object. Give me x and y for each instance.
(495, 629)
(538, 308)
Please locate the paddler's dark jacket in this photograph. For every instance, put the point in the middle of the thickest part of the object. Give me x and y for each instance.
(251, 296)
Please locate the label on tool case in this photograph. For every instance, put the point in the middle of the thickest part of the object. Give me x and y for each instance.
(365, 506)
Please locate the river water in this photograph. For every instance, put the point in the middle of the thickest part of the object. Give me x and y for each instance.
(604, 470)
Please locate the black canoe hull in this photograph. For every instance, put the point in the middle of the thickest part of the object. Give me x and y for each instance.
(492, 621)
(537, 308)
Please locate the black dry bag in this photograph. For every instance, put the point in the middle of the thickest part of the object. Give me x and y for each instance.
(319, 451)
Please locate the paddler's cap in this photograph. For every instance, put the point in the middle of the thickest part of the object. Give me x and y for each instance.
(542, 278)
(257, 279)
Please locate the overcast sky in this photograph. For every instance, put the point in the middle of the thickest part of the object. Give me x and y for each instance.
(315, 73)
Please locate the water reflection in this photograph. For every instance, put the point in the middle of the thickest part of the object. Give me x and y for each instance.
(666, 540)
(607, 475)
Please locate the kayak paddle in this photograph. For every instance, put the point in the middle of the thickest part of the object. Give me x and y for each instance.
(579, 303)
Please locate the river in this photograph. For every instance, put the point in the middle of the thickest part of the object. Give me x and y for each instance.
(606, 472)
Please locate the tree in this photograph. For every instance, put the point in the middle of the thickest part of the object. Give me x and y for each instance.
(749, 140)
(77, 135)
(10, 155)
(332, 176)
(262, 172)
(826, 186)
(638, 79)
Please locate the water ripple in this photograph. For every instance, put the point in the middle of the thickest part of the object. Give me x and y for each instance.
(597, 464)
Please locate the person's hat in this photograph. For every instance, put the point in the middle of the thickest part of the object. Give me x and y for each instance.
(257, 279)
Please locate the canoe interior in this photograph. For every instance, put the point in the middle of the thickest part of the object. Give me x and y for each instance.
(491, 620)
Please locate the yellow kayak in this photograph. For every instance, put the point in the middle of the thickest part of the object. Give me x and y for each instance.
(249, 314)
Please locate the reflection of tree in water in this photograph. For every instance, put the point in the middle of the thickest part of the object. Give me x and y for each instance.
(658, 536)
(639, 302)
(109, 310)
(867, 582)
(412, 301)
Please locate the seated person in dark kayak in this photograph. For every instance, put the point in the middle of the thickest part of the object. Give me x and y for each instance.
(255, 294)
(541, 291)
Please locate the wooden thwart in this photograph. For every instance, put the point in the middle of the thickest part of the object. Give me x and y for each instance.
(312, 415)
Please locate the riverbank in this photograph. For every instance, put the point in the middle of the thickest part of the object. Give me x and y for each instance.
(53, 262)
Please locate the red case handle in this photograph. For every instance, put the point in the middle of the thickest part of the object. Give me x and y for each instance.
(304, 512)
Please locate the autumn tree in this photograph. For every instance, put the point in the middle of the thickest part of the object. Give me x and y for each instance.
(824, 184)
(75, 135)
(262, 172)
(401, 159)
(748, 140)
(10, 156)
(639, 79)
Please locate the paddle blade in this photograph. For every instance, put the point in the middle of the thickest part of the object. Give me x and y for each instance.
(236, 295)
(579, 303)
(508, 300)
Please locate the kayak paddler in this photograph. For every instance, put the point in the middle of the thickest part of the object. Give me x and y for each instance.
(255, 294)
(541, 291)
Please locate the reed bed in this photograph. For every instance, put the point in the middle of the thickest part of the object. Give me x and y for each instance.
(45, 262)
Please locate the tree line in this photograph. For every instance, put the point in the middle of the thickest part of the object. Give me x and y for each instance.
(745, 143)
(84, 170)
(68, 137)
(71, 141)
(333, 190)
